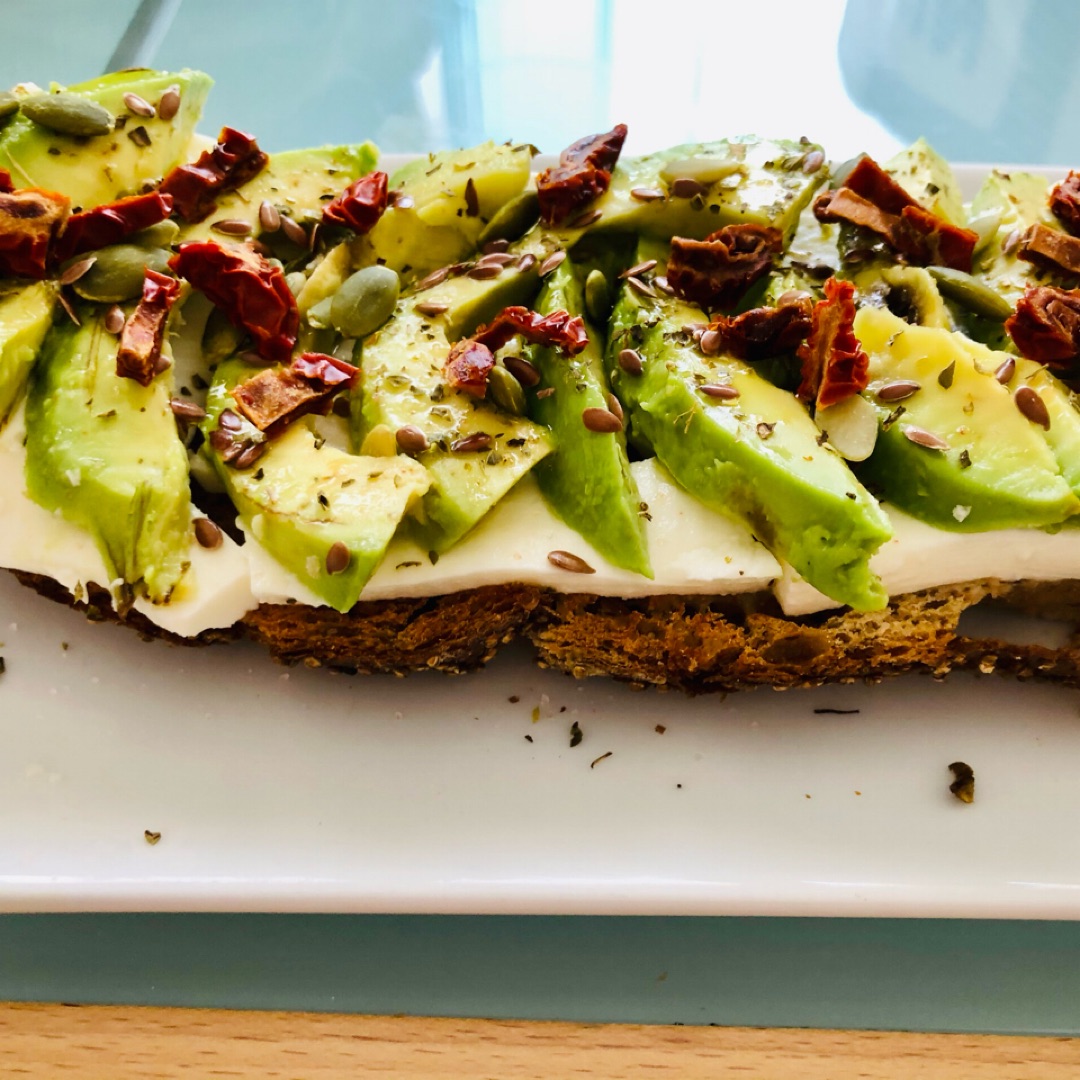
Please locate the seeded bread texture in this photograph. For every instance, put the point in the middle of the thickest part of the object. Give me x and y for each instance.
(692, 644)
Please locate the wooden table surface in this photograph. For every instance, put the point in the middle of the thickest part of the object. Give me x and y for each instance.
(119, 1043)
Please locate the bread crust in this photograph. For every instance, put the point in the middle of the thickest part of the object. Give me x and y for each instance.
(692, 644)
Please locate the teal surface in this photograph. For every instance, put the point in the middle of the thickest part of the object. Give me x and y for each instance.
(414, 75)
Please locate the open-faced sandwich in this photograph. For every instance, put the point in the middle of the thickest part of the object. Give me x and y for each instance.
(720, 416)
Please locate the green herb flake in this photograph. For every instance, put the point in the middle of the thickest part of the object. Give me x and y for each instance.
(576, 734)
(963, 786)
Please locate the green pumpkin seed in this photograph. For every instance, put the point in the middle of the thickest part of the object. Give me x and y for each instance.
(318, 315)
(9, 105)
(67, 114)
(220, 338)
(160, 235)
(364, 302)
(512, 219)
(296, 281)
(118, 272)
(597, 297)
(506, 391)
(970, 292)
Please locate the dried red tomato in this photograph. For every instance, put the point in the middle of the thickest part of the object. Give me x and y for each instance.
(717, 271)
(251, 292)
(235, 160)
(872, 199)
(6, 185)
(111, 223)
(583, 173)
(139, 356)
(360, 205)
(559, 330)
(1065, 202)
(1050, 248)
(762, 332)
(1046, 325)
(468, 366)
(834, 366)
(30, 220)
(274, 398)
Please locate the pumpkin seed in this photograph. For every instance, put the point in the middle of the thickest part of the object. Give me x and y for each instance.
(970, 292)
(67, 114)
(118, 272)
(220, 338)
(506, 391)
(512, 219)
(597, 297)
(169, 103)
(160, 235)
(365, 301)
(296, 281)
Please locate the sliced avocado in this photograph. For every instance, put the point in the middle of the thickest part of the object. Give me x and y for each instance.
(25, 317)
(587, 479)
(403, 386)
(995, 471)
(928, 178)
(743, 180)
(1015, 200)
(907, 291)
(104, 452)
(97, 169)
(304, 496)
(455, 194)
(296, 182)
(756, 457)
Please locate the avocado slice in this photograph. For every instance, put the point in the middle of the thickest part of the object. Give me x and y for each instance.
(587, 480)
(304, 496)
(756, 457)
(996, 470)
(98, 169)
(25, 317)
(928, 178)
(402, 385)
(104, 452)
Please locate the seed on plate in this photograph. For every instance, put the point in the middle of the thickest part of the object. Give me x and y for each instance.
(709, 342)
(1005, 372)
(436, 277)
(115, 319)
(231, 227)
(484, 272)
(1032, 406)
(522, 370)
(722, 391)
(898, 390)
(478, 440)
(921, 437)
(431, 309)
(249, 455)
(602, 421)
(493, 247)
(813, 161)
(495, 258)
(661, 284)
(230, 421)
(638, 269)
(565, 560)
(269, 216)
(186, 410)
(551, 262)
(338, 558)
(641, 287)
(615, 405)
(294, 231)
(76, 270)
(138, 105)
(207, 533)
(63, 301)
(169, 103)
(583, 221)
(685, 187)
(526, 262)
(646, 194)
(630, 361)
(410, 439)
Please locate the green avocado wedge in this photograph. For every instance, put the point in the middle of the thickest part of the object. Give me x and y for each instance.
(587, 480)
(304, 496)
(957, 453)
(104, 452)
(753, 454)
(25, 318)
(97, 169)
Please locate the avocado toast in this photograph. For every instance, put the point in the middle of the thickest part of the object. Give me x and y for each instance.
(711, 418)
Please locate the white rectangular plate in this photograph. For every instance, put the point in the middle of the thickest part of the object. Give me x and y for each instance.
(302, 790)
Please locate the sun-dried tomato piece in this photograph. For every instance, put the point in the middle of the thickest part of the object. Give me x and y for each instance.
(1065, 202)
(360, 205)
(717, 271)
(139, 356)
(834, 366)
(251, 292)
(275, 397)
(468, 366)
(872, 199)
(1046, 325)
(30, 220)
(235, 160)
(6, 185)
(763, 332)
(559, 330)
(111, 223)
(1050, 248)
(583, 173)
